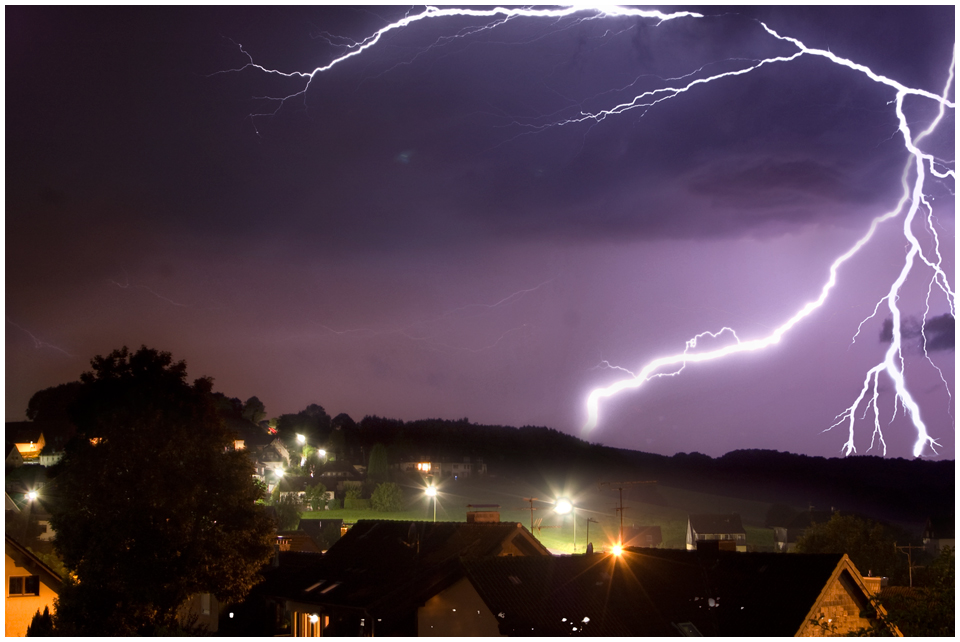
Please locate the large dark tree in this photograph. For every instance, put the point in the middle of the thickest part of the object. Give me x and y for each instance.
(870, 545)
(50, 404)
(151, 505)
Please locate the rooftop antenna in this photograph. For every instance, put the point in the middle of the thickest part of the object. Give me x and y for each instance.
(620, 486)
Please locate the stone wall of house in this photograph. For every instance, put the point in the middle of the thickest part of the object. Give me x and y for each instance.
(838, 613)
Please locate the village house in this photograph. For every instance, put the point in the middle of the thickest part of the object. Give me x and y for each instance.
(469, 467)
(664, 592)
(380, 577)
(31, 587)
(726, 529)
(333, 474)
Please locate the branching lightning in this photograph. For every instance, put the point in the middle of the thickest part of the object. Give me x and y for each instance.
(911, 200)
(913, 206)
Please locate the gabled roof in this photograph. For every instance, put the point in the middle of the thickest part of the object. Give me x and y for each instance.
(656, 592)
(727, 524)
(30, 561)
(388, 565)
(340, 468)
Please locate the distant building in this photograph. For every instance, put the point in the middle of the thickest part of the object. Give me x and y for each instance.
(440, 468)
(725, 529)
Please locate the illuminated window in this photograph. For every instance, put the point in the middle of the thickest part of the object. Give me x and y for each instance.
(424, 467)
(25, 585)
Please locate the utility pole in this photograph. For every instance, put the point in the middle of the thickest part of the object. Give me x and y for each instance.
(531, 500)
(908, 550)
(620, 486)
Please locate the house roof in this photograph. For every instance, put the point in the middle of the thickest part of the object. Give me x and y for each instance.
(340, 468)
(30, 561)
(388, 565)
(654, 592)
(726, 524)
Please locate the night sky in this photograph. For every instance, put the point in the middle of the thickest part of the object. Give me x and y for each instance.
(422, 233)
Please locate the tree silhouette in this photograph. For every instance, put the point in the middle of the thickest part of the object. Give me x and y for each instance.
(150, 504)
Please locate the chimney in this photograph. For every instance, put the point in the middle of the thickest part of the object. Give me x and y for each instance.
(873, 585)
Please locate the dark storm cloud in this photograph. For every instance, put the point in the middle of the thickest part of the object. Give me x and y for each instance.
(935, 334)
(315, 255)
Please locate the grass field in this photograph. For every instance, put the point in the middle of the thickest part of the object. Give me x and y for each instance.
(665, 507)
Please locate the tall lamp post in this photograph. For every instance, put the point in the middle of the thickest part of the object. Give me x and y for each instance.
(432, 492)
(563, 506)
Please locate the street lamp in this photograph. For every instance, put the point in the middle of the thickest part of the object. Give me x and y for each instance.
(431, 491)
(301, 439)
(32, 495)
(564, 506)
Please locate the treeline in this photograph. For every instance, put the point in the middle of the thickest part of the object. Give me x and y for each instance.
(892, 489)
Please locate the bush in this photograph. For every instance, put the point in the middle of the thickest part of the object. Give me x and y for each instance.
(387, 498)
(353, 490)
(289, 510)
(351, 503)
(334, 504)
(316, 496)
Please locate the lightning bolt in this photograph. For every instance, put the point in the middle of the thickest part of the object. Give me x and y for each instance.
(37, 343)
(911, 200)
(920, 166)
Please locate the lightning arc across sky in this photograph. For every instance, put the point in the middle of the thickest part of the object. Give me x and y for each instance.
(914, 208)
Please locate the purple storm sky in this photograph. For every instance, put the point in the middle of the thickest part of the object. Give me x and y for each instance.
(410, 238)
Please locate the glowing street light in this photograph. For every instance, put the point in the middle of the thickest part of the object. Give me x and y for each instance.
(564, 506)
(617, 550)
(32, 495)
(301, 439)
(431, 491)
(322, 453)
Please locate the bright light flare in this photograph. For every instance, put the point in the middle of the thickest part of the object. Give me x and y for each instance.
(301, 439)
(563, 506)
(617, 550)
(431, 491)
(32, 495)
